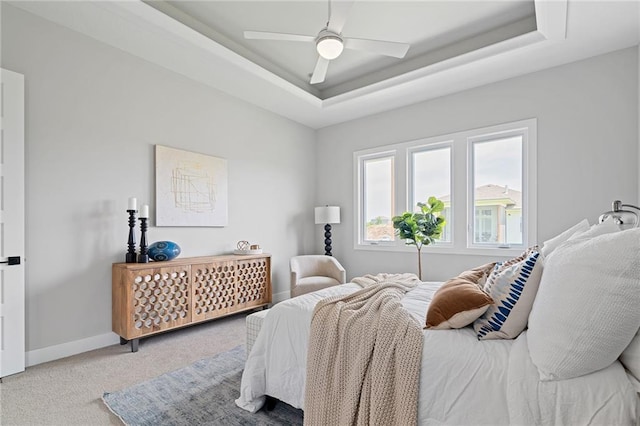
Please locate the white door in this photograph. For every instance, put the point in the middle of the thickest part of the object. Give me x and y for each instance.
(12, 302)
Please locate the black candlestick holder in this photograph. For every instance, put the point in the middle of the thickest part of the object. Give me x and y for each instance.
(143, 257)
(131, 252)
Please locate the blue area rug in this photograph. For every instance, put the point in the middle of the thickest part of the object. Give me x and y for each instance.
(200, 394)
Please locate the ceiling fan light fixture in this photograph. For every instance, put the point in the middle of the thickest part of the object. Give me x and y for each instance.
(329, 45)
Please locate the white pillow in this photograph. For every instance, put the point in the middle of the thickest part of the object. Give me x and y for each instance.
(587, 308)
(606, 227)
(630, 358)
(553, 243)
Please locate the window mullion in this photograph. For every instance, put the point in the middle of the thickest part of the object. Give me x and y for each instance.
(480, 155)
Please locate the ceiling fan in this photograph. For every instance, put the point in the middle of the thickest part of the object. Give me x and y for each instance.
(330, 43)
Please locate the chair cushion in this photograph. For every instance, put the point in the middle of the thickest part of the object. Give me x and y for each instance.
(316, 265)
(309, 284)
(319, 281)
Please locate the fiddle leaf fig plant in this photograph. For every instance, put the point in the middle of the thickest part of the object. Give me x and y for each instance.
(421, 228)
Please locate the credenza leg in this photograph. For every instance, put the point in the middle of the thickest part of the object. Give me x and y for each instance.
(134, 343)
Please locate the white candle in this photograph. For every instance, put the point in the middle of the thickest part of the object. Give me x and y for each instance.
(133, 203)
(144, 211)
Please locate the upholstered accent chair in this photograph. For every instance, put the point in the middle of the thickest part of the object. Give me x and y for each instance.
(314, 272)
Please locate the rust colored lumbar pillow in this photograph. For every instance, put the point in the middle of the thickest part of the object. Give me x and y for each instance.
(461, 300)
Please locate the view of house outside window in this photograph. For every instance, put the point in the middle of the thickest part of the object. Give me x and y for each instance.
(485, 177)
(497, 198)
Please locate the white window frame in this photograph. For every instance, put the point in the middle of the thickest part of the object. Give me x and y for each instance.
(409, 177)
(361, 202)
(524, 129)
(461, 197)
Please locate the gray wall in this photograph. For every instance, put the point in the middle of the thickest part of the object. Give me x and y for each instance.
(587, 149)
(93, 116)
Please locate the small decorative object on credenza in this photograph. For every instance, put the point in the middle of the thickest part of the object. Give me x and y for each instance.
(163, 251)
(245, 247)
(143, 257)
(327, 215)
(132, 206)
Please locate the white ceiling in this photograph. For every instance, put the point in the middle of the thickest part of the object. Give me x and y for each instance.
(429, 26)
(455, 45)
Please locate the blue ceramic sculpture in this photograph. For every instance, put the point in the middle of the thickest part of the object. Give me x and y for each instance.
(163, 250)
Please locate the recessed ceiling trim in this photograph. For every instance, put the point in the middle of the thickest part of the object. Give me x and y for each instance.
(413, 76)
(137, 28)
(184, 33)
(145, 32)
(159, 23)
(551, 17)
(233, 45)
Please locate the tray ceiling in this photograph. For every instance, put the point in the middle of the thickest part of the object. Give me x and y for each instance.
(436, 30)
(455, 45)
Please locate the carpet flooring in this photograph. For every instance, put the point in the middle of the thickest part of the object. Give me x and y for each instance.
(69, 391)
(202, 393)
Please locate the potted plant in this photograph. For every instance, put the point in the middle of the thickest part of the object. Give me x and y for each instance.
(421, 228)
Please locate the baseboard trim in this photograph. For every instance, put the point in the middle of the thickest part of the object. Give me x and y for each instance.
(63, 350)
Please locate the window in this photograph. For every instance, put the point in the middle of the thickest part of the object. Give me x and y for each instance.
(485, 177)
(430, 174)
(497, 189)
(378, 205)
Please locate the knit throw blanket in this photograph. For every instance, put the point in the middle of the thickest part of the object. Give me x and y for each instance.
(364, 355)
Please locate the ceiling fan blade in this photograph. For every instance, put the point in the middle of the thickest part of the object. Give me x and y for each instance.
(320, 72)
(263, 35)
(387, 48)
(339, 14)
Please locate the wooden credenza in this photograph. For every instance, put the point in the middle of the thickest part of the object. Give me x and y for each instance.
(150, 298)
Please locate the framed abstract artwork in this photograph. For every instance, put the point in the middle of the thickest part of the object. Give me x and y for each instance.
(191, 188)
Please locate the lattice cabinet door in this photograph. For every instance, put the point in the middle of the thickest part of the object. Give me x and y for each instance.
(253, 277)
(160, 296)
(159, 299)
(213, 289)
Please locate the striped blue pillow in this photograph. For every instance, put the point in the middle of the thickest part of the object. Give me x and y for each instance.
(513, 286)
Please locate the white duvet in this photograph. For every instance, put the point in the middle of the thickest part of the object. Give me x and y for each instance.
(463, 380)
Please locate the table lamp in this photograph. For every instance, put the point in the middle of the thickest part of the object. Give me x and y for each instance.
(327, 215)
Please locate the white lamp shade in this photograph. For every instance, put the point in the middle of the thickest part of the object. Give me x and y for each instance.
(327, 214)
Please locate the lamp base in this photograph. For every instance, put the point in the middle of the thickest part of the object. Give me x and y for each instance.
(327, 240)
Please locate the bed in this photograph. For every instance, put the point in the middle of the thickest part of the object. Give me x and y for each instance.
(467, 381)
